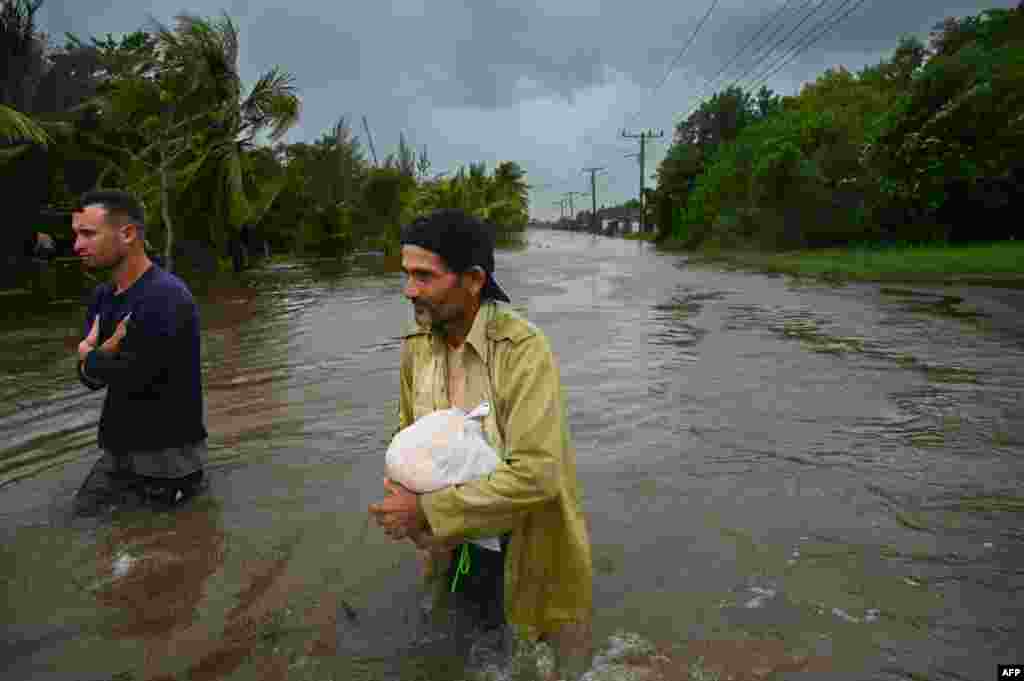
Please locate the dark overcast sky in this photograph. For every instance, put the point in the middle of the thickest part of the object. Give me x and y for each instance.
(548, 84)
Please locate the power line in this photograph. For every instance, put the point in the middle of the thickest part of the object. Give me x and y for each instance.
(784, 56)
(753, 61)
(681, 52)
(783, 53)
(804, 45)
(709, 82)
(775, 45)
(768, 45)
(782, 40)
(593, 192)
(686, 47)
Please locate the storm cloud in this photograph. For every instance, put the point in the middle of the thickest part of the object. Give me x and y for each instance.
(549, 83)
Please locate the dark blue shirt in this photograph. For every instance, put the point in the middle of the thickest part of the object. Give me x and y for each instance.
(154, 385)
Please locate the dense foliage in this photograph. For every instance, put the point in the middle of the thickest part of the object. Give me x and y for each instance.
(907, 150)
(164, 113)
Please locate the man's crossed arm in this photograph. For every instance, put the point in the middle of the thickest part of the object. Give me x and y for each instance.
(111, 364)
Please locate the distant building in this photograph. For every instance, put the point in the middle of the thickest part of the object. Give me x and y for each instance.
(619, 220)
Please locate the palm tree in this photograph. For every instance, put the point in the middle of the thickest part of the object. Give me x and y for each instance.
(202, 60)
(509, 207)
(21, 129)
(187, 98)
(511, 182)
(21, 68)
(25, 135)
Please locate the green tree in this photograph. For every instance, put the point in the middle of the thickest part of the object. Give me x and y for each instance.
(719, 120)
(323, 193)
(183, 93)
(509, 207)
(21, 68)
(501, 198)
(28, 133)
(21, 129)
(958, 128)
(422, 164)
(387, 199)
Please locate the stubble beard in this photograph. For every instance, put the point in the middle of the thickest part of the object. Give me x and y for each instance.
(437, 325)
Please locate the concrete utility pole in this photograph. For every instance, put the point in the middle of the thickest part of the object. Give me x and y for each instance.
(572, 210)
(644, 136)
(593, 193)
(561, 208)
(637, 157)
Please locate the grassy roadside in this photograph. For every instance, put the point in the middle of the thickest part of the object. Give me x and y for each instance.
(987, 264)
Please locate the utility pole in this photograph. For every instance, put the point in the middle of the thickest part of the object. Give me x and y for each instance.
(572, 210)
(635, 155)
(593, 193)
(644, 136)
(561, 208)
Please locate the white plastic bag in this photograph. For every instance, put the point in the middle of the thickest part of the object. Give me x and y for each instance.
(444, 448)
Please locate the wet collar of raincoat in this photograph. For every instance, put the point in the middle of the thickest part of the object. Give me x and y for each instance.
(478, 331)
(494, 321)
(477, 336)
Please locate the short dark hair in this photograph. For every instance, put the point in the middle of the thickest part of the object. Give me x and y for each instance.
(460, 238)
(462, 241)
(120, 204)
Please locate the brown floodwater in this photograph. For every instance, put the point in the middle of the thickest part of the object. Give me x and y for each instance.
(780, 475)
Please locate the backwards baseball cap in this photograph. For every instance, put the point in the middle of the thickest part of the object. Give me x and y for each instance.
(461, 240)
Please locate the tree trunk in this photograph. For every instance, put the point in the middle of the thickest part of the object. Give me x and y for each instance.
(165, 211)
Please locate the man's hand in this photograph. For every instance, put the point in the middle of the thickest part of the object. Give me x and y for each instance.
(399, 513)
(88, 344)
(113, 344)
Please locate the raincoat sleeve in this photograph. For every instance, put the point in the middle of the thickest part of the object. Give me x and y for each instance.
(535, 444)
(405, 391)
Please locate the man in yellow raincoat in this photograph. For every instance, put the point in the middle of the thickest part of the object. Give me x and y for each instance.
(469, 345)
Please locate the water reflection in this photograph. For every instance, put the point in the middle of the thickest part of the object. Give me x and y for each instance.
(153, 571)
(796, 476)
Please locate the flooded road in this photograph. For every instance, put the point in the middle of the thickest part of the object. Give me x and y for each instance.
(779, 475)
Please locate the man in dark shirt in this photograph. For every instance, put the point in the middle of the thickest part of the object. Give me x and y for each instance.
(142, 345)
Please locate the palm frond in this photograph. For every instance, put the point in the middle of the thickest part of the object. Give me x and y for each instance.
(188, 174)
(228, 36)
(239, 209)
(16, 126)
(10, 154)
(272, 102)
(268, 194)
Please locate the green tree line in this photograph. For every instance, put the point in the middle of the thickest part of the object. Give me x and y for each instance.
(164, 113)
(926, 146)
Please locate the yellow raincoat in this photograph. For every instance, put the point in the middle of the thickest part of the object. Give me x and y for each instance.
(534, 493)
